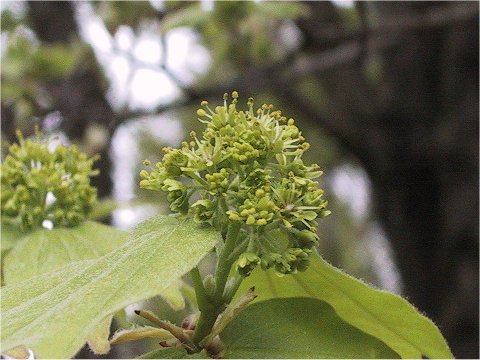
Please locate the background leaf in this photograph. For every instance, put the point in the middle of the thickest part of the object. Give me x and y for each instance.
(173, 353)
(173, 296)
(167, 353)
(298, 328)
(192, 15)
(282, 10)
(383, 315)
(54, 317)
(45, 250)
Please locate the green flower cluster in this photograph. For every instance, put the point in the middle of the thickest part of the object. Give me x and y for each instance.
(39, 184)
(247, 168)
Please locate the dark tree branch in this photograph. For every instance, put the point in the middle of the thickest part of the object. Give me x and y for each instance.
(80, 97)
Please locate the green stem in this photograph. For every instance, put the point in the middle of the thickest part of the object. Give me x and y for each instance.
(239, 249)
(172, 329)
(224, 264)
(205, 305)
(233, 288)
(211, 307)
(204, 325)
(203, 300)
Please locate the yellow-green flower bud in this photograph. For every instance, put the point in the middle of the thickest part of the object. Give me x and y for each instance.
(246, 167)
(246, 263)
(39, 184)
(203, 210)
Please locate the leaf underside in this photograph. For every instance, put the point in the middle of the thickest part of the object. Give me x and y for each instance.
(296, 328)
(52, 314)
(383, 315)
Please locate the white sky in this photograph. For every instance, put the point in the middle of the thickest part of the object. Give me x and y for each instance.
(142, 87)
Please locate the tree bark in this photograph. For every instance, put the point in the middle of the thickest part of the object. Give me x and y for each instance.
(80, 98)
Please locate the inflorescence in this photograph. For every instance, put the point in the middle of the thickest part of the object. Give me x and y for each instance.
(247, 168)
(39, 184)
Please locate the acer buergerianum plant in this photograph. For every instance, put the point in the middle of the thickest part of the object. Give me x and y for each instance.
(240, 189)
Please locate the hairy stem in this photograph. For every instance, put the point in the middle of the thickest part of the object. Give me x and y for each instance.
(232, 288)
(211, 307)
(203, 300)
(205, 324)
(171, 328)
(224, 263)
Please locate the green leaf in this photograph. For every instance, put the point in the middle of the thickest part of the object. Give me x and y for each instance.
(45, 250)
(167, 353)
(10, 235)
(38, 313)
(383, 315)
(54, 61)
(138, 333)
(298, 328)
(104, 208)
(173, 296)
(173, 353)
(282, 10)
(98, 338)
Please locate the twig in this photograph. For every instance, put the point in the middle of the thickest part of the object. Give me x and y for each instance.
(171, 328)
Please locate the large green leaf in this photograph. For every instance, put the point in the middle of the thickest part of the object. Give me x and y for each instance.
(383, 315)
(10, 235)
(167, 353)
(298, 328)
(45, 250)
(173, 353)
(52, 314)
(97, 340)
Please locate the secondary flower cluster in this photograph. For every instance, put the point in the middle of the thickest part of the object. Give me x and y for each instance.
(247, 168)
(39, 184)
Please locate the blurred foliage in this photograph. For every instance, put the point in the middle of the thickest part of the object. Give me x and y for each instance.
(9, 20)
(254, 25)
(130, 13)
(23, 81)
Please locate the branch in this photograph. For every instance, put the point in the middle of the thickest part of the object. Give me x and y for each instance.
(434, 17)
(289, 71)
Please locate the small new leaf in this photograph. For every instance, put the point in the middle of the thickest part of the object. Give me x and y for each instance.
(138, 333)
